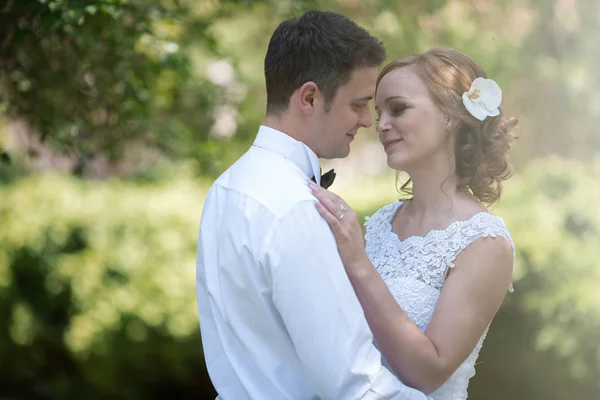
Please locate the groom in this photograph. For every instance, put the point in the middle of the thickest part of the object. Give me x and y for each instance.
(279, 318)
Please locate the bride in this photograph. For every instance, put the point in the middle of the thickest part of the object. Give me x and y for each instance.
(436, 267)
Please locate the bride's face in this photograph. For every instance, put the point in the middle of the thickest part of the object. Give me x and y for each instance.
(411, 127)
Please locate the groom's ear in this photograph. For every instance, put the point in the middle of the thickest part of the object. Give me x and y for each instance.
(309, 97)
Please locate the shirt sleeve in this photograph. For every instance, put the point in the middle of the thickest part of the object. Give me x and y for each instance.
(321, 313)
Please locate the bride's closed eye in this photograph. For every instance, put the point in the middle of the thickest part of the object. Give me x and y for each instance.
(396, 110)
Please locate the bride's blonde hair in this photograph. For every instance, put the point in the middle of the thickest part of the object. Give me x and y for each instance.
(481, 148)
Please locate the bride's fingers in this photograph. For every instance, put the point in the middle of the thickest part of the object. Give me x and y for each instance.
(336, 199)
(324, 193)
(340, 205)
(328, 216)
(328, 209)
(328, 200)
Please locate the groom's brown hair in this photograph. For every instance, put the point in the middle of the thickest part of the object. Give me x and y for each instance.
(321, 47)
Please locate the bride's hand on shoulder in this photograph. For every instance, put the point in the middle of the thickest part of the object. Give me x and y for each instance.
(344, 223)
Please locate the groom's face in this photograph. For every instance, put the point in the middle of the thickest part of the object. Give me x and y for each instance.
(348, 111)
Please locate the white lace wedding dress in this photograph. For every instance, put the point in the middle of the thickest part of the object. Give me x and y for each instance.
(415, 269)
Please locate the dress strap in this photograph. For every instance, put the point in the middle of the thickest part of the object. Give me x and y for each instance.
(480, 225)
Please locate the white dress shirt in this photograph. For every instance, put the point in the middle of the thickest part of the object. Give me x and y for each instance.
(278, 316)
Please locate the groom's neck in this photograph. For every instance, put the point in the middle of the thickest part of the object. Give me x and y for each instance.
(290, 126)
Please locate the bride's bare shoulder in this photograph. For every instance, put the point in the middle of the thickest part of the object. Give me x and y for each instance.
(465, 208)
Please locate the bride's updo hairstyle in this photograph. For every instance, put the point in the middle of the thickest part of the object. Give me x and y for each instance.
(481, 148)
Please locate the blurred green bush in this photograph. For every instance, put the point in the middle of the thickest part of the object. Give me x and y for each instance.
(97, 290)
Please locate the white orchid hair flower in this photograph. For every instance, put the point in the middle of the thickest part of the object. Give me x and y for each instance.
(483, 98)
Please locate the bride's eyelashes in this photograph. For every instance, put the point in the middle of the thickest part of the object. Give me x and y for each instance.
(396, 111)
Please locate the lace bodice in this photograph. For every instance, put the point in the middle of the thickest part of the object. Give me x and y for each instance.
(415, 269)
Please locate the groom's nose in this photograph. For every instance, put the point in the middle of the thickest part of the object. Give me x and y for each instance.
(365, 119)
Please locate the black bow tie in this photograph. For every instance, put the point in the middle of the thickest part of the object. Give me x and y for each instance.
(326, 179)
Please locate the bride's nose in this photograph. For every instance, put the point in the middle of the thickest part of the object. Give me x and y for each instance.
(383, 124)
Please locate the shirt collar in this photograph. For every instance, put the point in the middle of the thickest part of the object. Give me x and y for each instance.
(286, 146)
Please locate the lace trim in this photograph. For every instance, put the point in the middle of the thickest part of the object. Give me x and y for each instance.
(425, 258)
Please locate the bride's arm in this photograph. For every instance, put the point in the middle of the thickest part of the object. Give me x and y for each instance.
(469, 300)
(472, 294)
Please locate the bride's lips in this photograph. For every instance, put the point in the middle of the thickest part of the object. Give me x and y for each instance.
(388, 143)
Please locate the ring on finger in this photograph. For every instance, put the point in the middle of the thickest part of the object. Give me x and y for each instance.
(342, 211)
